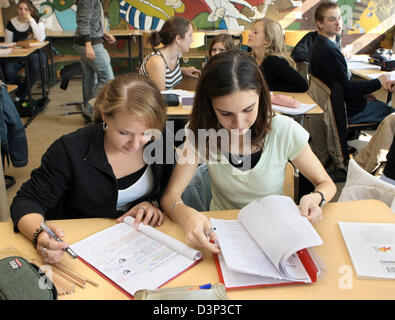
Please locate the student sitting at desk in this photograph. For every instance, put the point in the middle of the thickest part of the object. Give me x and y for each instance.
(232, 102)
(221, 43)
(329, 65)
(268, 48)
(25, 26)
(163, 65)
(101, 170)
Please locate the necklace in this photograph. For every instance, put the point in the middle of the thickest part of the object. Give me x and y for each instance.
(237, 158)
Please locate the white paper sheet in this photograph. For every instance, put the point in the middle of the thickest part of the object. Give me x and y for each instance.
(371, 247)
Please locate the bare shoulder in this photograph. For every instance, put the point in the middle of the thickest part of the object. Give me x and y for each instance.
(155, 62)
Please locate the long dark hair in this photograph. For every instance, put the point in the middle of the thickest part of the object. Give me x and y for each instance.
(171, 28)
(225, 39)
(224, 74)
(32, 9)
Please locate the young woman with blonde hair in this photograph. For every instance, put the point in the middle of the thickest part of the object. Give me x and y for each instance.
(102, 170)
(266, 40)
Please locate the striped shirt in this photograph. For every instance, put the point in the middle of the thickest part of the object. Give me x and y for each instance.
(173, 77)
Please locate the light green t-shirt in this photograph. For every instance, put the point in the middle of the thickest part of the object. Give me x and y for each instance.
(233, 189)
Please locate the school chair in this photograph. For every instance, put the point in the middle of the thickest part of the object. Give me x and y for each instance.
(66, 74)
(198, 192)
(332, 145)
(361, 185)
(244, 37)
(4, 212)
(292, 37)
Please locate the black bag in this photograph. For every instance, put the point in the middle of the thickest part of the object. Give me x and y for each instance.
(21, 280)
(380, 56)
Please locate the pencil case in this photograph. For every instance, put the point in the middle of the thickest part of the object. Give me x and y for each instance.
(216, 292)
(285, 101)
(21, 280)
(171, 99)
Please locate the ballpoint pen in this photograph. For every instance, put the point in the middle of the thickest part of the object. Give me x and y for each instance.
(53, 236)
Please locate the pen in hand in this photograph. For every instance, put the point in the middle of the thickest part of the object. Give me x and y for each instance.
(53, 236)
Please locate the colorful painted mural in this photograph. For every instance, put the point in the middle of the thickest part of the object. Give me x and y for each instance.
(359, 15)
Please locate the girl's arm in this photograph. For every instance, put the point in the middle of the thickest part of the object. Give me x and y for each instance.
(38, 29)
(9, 36)
(193, 222)
(156, 70)
(309, 165)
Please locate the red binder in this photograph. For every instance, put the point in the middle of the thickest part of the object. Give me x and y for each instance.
(128, 294)
(304, 256)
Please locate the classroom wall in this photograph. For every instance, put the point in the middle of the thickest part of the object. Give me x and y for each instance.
(367, 20)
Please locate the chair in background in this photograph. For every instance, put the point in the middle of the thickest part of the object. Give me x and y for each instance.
(303, 69)
(361, 185)
(332, 145)
(4, 212)
(66, 74)
(198, 193)
(292, 37)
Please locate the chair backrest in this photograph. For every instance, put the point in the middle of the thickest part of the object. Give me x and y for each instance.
(292, 37)
(4, 212)
(303, 69)
(289, 182)
(244, 37)
(361, 185)
(69, 71)
(334, 121)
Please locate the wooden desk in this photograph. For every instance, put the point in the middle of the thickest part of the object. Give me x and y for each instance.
(122, 33)
(21, 54)
(333, 254)
(183, 112)
(363, 73)
(11, 88)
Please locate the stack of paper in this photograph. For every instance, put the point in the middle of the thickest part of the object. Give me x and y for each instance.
(371, 247)
(5, 51)
(293, 111)
(360, 61)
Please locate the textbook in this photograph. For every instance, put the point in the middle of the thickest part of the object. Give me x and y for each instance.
(371, 247)
(269, 244)
(134, 259)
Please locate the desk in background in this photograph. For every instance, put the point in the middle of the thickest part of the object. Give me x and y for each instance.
(183, 112)
(363, 73)
(333, 254)
(21, 54)
(122, 34)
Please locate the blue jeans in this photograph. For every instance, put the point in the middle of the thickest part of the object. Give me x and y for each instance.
(11, 72)
(96, 72)
(375, 111)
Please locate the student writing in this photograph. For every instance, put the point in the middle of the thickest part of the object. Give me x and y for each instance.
(101, 170)
(232, 98)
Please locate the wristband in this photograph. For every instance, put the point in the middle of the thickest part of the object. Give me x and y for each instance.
(36, 233)
(174, 204)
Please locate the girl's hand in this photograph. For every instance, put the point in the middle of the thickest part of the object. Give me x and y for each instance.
(197, 227)
(309, 208)
(192, 72)
(144, 212)
(50, 250)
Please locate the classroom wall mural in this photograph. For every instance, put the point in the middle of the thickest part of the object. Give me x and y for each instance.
(360, 16)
